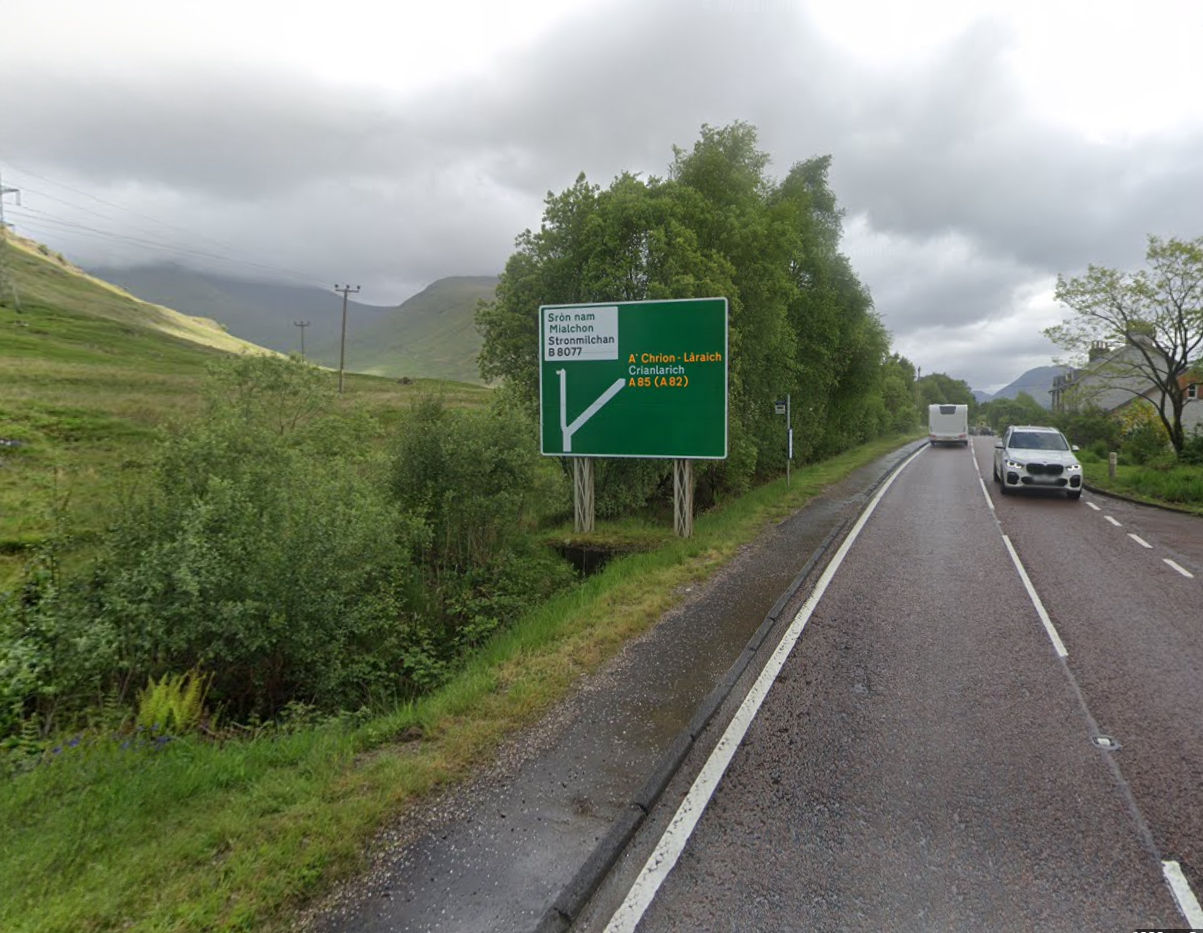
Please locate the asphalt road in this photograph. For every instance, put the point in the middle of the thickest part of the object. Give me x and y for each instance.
(949, 746)
(495, 854)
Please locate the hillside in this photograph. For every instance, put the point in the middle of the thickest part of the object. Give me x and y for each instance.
(1037, 383)
(264, 313)
(45, 282)
(432, 335)
(88, 376)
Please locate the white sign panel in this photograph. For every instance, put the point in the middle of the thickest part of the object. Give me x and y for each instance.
(580, 333)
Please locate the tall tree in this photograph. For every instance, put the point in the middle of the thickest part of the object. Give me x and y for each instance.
(1154, 314)
(717, 225)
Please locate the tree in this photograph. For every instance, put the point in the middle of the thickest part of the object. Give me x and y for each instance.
(801, 323)
(941, 389)
(1001, 413)
(1154, 314)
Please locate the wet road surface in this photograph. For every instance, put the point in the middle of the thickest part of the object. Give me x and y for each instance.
(929, 755)
(493, 856)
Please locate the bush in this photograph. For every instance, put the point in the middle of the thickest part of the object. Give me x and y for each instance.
(263, 551)
(1192, 449)
(1143, 443)
(473, 478)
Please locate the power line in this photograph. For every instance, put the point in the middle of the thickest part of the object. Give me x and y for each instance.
(143, 242)
(39, 220)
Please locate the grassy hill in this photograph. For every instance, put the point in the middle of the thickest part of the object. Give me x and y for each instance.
(262, 312)
(88, 374)
(432, 335)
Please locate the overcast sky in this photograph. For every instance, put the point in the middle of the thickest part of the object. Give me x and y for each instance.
(979, 148)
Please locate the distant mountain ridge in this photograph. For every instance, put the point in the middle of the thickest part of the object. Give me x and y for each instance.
(1038, 383)
(262, 312)
(431, 335)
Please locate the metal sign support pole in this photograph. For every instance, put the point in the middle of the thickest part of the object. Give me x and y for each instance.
(683, 498)
(789, 439)
(582, 494)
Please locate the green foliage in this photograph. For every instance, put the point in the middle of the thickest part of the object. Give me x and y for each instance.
(1090, 427)
(1156, 310)
(174, 704)
(264, 549)
(478, 485)
(1144, 443)
(1192, 450)
(1001, 413)
(800, 321)
(940, 389)
(473, 478)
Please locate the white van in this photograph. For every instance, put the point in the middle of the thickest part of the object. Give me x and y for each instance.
(948, 424)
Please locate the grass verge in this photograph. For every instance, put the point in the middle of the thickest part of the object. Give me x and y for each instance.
(188, 835)
(1179, 487)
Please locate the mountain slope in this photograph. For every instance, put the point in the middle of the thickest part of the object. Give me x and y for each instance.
(432, 335)
(1037, 383)
(264, 313)
(45, 282)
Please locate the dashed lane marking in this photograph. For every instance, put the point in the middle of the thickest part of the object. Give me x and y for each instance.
(1113, 521)
(1190, 576)
(1187, 902)
(1093, 506)
(1139, 540)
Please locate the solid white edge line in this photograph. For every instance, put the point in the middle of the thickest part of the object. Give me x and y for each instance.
(1187, 902)
(1139, 540)
(1182, 570)
(1048, 623)
(1113, 521)
(672, 843)
(986, 493)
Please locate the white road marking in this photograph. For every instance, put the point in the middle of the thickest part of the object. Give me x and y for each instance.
(1040, 611)
(1139, 540)
(672, 843)
(1113, 521)
(1093, 506)
(1190, 576)
(1188, 904)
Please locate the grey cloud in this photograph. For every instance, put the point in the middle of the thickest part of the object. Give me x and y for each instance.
(972, 197)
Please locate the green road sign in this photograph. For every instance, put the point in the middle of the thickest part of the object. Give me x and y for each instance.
(634, 379)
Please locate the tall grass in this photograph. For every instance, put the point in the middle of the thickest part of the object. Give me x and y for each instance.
(1180, 486)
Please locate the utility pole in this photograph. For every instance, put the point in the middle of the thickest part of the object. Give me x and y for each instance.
(342, 344)
(302, 325)
(7, 286)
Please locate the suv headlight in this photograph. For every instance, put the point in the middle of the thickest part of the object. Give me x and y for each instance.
(1015, 465)
(1073, 467)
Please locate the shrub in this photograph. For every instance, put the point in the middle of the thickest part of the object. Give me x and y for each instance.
(264, 549)
(473, 478)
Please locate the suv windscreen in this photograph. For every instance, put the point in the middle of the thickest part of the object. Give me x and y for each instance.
(1032, 440)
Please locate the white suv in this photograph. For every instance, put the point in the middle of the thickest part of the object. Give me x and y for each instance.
(1034, 457)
